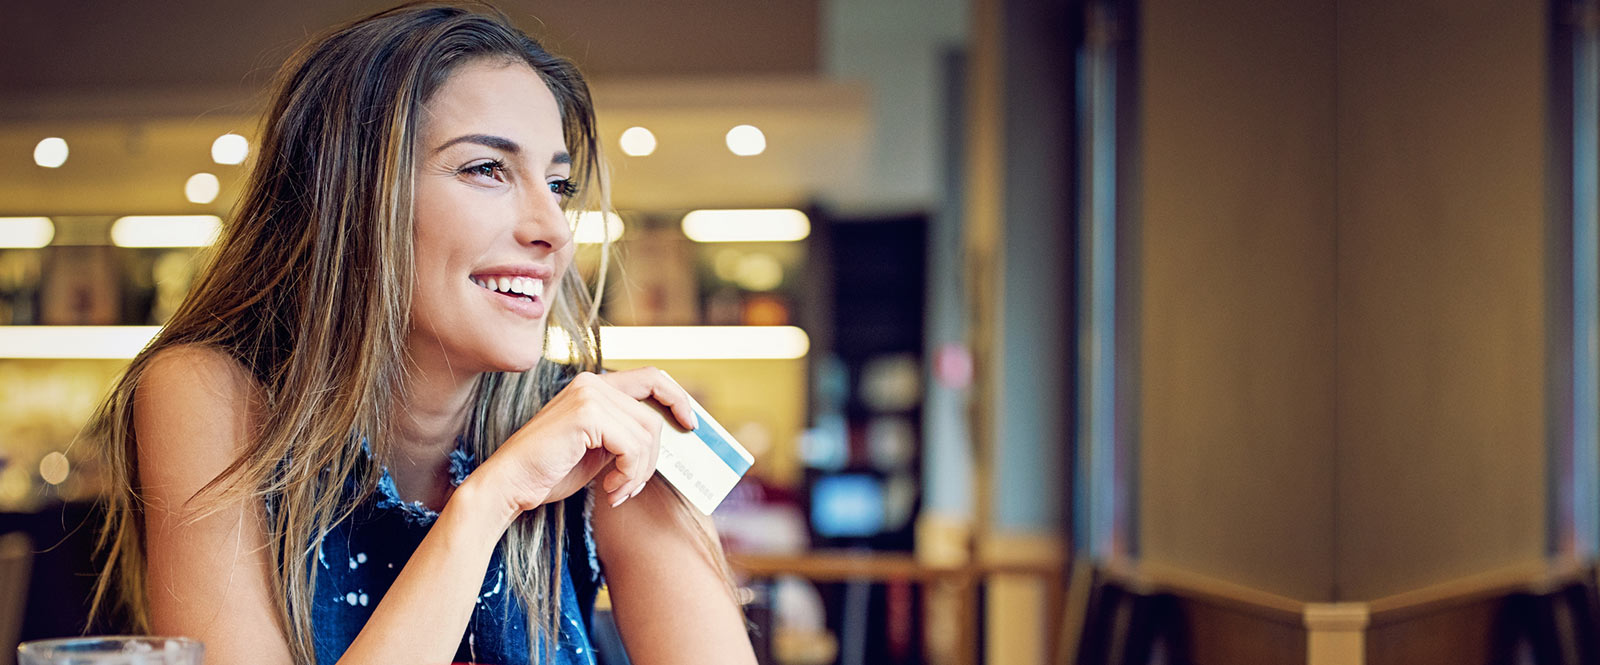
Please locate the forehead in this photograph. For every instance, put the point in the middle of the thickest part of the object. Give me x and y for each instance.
(506, 99)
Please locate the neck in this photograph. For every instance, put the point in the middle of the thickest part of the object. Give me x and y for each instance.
(432, 411)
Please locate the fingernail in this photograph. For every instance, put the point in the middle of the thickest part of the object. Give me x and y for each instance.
(637, 490)
(618, 502)
(694, 420)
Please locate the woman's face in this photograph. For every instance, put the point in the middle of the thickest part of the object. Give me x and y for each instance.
(491, 239)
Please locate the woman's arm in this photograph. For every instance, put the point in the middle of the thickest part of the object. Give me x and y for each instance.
(194, 410)
(669, 598)
(211, 579)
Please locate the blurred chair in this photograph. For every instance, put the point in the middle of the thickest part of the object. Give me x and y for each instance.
(1120, 625)
(16, 555)
(1558, 627)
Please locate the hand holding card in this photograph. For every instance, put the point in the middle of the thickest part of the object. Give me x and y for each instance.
(703, 464)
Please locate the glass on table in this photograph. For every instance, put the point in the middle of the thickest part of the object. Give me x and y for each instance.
(116, 650)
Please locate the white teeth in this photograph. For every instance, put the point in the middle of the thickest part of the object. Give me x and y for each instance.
(522, 285)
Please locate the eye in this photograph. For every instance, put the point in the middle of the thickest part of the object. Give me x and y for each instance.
(493, 169)
(564, 188)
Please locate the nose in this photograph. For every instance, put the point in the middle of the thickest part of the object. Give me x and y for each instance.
(541, 222)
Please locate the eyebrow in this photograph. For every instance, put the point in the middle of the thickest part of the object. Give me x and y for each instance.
(502, 144)
(497, 142)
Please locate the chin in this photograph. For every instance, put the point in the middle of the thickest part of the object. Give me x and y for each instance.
(521, 365)
(517, 361)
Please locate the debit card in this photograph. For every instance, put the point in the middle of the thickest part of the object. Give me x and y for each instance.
(703, 464)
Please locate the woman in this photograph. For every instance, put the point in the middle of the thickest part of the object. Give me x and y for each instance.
(299, 449)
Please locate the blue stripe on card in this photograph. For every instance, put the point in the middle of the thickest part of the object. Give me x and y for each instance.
(719, 445)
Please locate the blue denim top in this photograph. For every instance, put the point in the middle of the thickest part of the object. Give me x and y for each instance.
(362, 556)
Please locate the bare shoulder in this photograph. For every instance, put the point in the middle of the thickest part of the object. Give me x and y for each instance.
(194, 411)
(196, 383)
(197, 372)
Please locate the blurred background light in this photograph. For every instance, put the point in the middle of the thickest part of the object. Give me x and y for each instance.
(595, 227)
(747, 225)
(758, 271)
(690, 343)
(74, 342)
(202, 188)
(51, 152)
(26, 232)
(746, 140)
(166, 230)
(638, 142)
(54, 468)
(230, 149)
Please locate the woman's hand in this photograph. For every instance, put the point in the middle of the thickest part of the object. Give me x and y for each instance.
(595, 420)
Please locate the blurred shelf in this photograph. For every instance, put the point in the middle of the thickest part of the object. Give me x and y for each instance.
(825, 566)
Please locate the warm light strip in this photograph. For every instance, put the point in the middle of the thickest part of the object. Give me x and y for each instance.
(166, 230)
(621, 343)
(590, 227)
(112, 342)
(772, 225)
(691, 343)
(26, 232)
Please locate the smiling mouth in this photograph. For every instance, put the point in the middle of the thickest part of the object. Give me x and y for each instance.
(521, 288)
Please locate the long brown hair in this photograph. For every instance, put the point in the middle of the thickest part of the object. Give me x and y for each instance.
(324, 229)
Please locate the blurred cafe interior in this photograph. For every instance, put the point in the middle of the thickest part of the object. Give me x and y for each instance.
(1068, 332)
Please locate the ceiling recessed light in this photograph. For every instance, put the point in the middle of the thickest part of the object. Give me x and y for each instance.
(746, 141)
(230, 149)
(638, 142)
(51, 152)
(202, 188)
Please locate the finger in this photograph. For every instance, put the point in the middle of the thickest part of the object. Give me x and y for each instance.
(653, 422)
(652, 383)
(631, 442)
(648, 415)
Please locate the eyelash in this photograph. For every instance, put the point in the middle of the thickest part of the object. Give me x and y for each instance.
(495, 166)
(565, 188)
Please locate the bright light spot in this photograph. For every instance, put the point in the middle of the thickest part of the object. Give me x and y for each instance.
(758, 272)
(166, 231)
(638, 142)
(726, 264)
(51, 342)
(54, 468)
(50, 153)
(746, 140)
(774, 225)
(26, 232)
(202, 188)
(230, 149)
(690, 343)
(595, 227)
